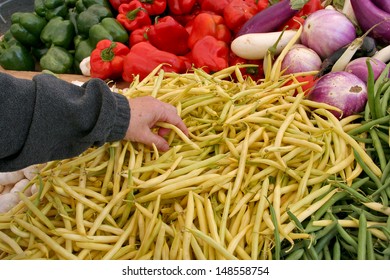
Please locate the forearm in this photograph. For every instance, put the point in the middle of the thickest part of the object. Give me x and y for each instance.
(56, 119)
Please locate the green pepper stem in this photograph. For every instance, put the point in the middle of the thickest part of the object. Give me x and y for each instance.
(133, 14)
(108, 53)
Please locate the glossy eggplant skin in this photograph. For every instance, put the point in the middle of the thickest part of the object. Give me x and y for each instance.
(368, 15)
(269, 19)
(382, 4)
(367, 49)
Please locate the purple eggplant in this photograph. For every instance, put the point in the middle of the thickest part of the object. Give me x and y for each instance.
(269, 19)
(383, 5)
(368, 15)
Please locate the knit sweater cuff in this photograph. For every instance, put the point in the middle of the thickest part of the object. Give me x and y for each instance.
(122, 119)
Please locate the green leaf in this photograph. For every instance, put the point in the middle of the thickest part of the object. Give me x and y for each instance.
(297, 4)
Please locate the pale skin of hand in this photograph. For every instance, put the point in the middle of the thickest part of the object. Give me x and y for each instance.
(145, 113)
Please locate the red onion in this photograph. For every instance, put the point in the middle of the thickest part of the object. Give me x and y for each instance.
(326, 31)
(301, 59)
(342, 90)
(358, 67)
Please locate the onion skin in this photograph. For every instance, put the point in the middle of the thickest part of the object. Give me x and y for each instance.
(368, 14)
(358, 67)
(301, 59)
(342, 90)
(326, 31)
(269, 19)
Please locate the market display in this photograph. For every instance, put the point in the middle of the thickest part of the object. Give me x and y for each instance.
(288, 152)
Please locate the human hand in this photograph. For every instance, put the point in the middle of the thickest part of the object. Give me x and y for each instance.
(145, 113)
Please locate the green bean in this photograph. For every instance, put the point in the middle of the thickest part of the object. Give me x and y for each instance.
(385, 100)
(305, 257)
(362, 140)
(327, 254)
(321, 255)
(388, 222)
(382, 78)
(381, 88)
(343, 208)
(348, 248)
(336, 252)
(378, 148)
(346, 236)
(370, 254)
(296, 255)
(368, 125)
(371, 102)
(324, 241)
(384, 137)
(385, 230)
(325, 231)
(353, 192)
(295, 220)
(385, 173)
(338, 196)
(312, 253)
(362, 238)
(289, 250)
(369, 215)
(367, 170)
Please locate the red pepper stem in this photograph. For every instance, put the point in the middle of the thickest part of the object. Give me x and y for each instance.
(147, 1)
(108, 53)
(133, 14)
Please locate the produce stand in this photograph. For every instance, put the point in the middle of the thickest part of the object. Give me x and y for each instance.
(30, 74)
(267, 172)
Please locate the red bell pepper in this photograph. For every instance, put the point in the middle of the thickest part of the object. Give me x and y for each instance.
(139, 35)
(154, 7)
(256, 71)
(169, 35)
(115, 4)
(181, 7)
(208, 24)
(214, 6)
(143, 58)
(310, 82)
(262, 4)
(309, 8)
(133, 16)
(107, 59)
(294, 23)
(237, 12)
(210, 54)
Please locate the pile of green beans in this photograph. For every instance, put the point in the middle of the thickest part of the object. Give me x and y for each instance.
(355, 223)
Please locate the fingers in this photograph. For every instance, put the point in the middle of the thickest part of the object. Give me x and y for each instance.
(160, 142)
(145, 113)
(171, 116)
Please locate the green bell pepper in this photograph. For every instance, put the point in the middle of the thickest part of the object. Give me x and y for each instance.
(108, 28)
(38, 52)
(71, 3)
(51, 8)
(91, 16)
(14, 55)
(27, 27)
(57, 60)
(59, 32)
(82, 5)
(83, 49)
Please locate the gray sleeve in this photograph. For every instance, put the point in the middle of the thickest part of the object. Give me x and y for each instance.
(47, 119)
